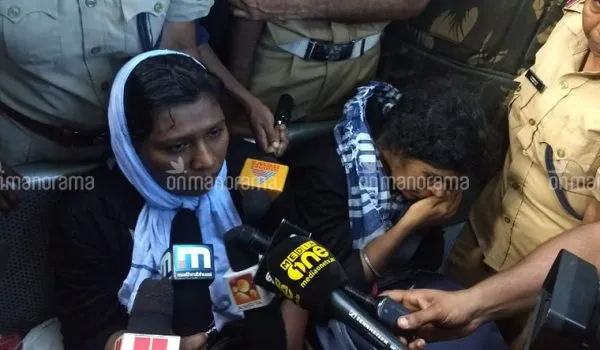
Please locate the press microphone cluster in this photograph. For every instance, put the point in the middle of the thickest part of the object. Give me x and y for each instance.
(150, 320)
(263, 179)
(305, 272)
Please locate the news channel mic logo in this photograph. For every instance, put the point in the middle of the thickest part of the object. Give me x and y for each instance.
(301, 266)
(193, 262)
(264, 171)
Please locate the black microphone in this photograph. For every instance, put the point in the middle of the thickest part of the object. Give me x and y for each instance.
(307, 273)
(263, 324)
(384, 309)
(283, 112)
(150, 318)
(266, 177)
(192, 264)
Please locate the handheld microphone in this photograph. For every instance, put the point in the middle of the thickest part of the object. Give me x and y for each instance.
(150, 320)
(192, 272)
(263, 324)
(308, 274)
(243, 291)
(283, 112)
(384, 309)
(264, 178)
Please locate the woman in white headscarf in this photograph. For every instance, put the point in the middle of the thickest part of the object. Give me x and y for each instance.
(169, 138)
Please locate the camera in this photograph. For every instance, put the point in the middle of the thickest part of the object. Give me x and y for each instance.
(567, 313)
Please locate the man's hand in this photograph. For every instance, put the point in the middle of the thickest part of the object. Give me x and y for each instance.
(193, 342)
(8, 196)
(438, 315)
(433, 210)
(248, 9)
(270, 139)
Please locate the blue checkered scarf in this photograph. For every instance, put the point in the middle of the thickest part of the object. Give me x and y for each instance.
(372, 208)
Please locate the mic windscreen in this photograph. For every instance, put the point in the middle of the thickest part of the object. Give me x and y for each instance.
(255, 205)
(305, 272)
(152, 311)
(192, 305)
(238, 243)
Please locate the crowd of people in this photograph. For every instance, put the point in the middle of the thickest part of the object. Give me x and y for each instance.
(140, 84)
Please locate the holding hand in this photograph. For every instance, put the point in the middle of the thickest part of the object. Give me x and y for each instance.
(270, 138)
(438, 315)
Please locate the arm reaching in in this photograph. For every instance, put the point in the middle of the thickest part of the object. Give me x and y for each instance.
(444, 315)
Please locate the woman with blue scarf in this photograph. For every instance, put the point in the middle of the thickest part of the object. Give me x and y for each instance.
(169, 139)
(395, 166)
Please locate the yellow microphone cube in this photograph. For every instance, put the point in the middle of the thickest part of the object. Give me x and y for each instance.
(268, 176)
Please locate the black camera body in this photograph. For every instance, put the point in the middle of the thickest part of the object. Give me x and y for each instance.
(567, 314)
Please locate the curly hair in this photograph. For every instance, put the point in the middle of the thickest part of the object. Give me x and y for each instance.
(440, 122)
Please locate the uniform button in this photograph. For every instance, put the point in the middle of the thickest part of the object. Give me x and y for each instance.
(14, 11)
(532, 122)
(90, 3)
(564, 85)
(516, 186)
(560, 152)
(105, 86)
(507, 219)
(95, 50)
(524, 152)
(158, 7)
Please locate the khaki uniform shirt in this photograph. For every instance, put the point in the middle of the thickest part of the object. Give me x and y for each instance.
(519, 209)
(58, 57)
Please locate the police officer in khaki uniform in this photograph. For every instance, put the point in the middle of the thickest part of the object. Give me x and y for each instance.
(550, 181)
(317, 51)
(58, 63)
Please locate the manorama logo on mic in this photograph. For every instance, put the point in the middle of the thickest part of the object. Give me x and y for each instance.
(191, 262)
(306, 261)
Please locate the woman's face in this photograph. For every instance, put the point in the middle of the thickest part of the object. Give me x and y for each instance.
(416, 179)
(187, 146)
(591, 25)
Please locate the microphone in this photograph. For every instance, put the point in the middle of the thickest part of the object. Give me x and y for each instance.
(264, 179)
(243, 291)
(307, 273)
(260, 312)
(384, 309)
(283, 112)
(150, 320)
(190, 265)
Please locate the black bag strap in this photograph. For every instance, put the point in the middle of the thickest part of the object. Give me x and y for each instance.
(145, 33)
(555, 181)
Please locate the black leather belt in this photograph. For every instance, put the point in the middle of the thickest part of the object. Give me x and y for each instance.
(65, 136)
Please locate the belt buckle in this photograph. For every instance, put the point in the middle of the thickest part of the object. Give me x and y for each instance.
(326, 51)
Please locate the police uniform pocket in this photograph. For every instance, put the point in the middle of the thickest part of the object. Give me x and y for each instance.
(574, 162)
(156, 11)
(31, 31)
